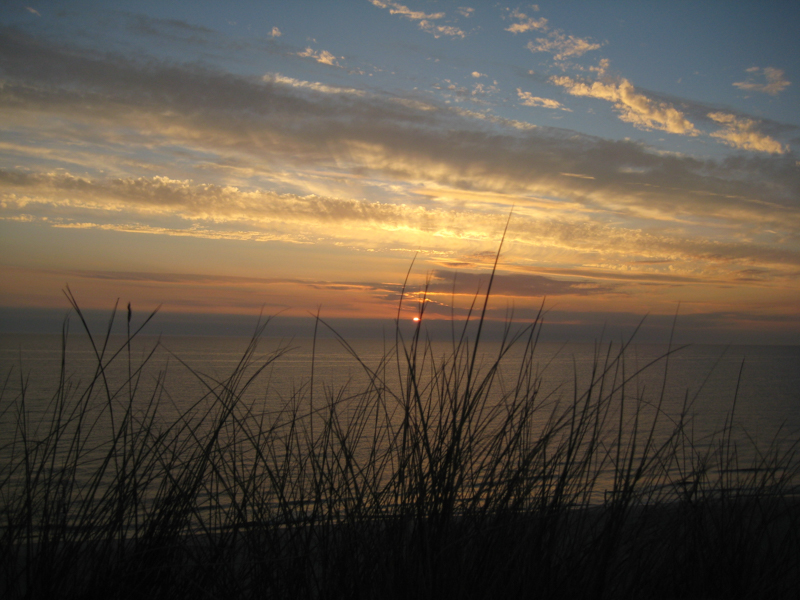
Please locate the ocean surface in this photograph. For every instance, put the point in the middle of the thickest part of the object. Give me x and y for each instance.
(757, 388)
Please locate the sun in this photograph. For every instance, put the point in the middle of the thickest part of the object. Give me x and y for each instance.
(415, 319)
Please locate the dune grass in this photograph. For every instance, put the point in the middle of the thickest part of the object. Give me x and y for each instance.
(439, 477)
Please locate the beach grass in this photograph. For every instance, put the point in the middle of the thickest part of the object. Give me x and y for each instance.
(438, 477)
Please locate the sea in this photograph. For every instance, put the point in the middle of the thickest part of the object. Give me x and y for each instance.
(750, 392)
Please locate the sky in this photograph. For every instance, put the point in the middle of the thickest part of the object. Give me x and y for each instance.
(224, 159)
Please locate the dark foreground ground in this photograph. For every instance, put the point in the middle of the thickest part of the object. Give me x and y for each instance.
(733, 547)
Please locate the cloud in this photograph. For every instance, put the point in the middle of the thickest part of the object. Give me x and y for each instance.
(440, 30)
(601, 67)
(646, 112)
(634, 107)
(395, 8)
(33, 11)
(221, 280)
(275, 32)
(453, 92)
(529, 99)
(310, 85)
(205, 292)
(510, 284)
(220, 113)
(556, 42)
(526, 23)
(742, 133)
(282, 157)
(323, 56)
(490, 118)
(176, 30)
(465, 11)
(772, 81)
(481, 90)
(562, 46)
(424, 20)
(152, 205)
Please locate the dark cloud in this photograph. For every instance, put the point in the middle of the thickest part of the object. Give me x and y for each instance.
(173, 29)
(214, 280)
(529, 286)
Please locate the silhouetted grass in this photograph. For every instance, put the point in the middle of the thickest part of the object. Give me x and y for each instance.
(439, 477)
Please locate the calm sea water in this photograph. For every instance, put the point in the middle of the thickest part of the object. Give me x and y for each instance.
(763, 380)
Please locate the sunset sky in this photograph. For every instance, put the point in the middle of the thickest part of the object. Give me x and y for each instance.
(296, 156)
